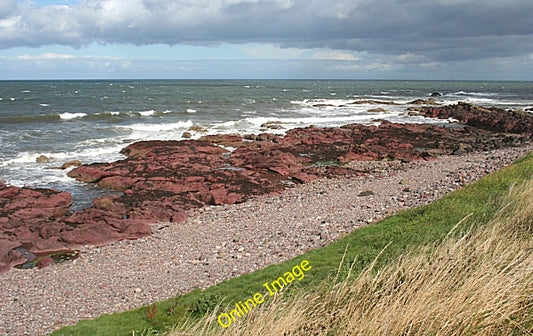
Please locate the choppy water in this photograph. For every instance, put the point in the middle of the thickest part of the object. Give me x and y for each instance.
(92, 120)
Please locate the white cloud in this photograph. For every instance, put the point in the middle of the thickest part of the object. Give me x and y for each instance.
(335, 55)
(411, 58)
(46, 56)
(270, 51)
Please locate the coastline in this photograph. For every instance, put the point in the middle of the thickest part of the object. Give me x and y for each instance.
(231, 240)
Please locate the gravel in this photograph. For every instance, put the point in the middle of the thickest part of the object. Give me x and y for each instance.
(221, 242)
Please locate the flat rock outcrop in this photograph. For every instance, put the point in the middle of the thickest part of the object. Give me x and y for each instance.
(491, 119)
(160, 181)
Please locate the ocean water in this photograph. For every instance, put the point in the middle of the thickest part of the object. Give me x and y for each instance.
(91, 121)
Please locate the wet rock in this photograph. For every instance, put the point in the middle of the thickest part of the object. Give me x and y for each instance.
(373, 102)
(73, 163)
(197, 128)
(272, 125)
(429, 101)
(377, 110)
(43, 159)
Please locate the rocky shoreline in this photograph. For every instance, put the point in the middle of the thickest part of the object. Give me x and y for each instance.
(163, 181)
(220, 242)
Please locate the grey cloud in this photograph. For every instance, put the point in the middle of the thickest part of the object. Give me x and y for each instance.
(439, 30)
(71, 67)
(7, 7)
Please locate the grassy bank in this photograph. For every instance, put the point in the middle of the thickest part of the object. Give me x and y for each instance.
(390, 238)
(478, 282)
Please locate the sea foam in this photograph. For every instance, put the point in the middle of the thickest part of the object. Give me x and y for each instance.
(68, 115)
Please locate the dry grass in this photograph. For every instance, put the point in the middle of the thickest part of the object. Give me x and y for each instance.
(478, 281)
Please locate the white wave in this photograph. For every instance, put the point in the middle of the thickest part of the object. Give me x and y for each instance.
(467, 93)
(106, 153)
(255, 124)
(86, 152)
(44, 105)
(68, 115)
(335, 103)
(154, 128)
(25, 171)
(147, 113)
(113, 113)
(22, 158)
(25, 91)
(190, 110)
(323, 102)
(479, 101)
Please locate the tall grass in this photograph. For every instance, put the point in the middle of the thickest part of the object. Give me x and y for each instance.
(477, 281)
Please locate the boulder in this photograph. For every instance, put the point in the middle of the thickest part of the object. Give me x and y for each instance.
(197, 128)
(43, 159)
(73, 163)
(272, 125)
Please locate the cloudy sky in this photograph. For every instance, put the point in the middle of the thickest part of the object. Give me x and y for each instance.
(359, 39)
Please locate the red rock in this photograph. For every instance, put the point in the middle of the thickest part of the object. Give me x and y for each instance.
(48, 245)
(109, 203)
(8, 256)
(93, 234)
(221, 197)
(493, 119)
(44, 261)
(119, 183)
(302, 177)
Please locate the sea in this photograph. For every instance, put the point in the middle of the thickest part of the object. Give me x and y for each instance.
(92, 120)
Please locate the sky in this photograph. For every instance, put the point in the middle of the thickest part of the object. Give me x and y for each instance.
(311, 39)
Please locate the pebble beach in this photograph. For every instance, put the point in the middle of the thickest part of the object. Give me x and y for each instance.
(220, 242)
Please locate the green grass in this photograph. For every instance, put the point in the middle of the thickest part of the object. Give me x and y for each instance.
(407, 230)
